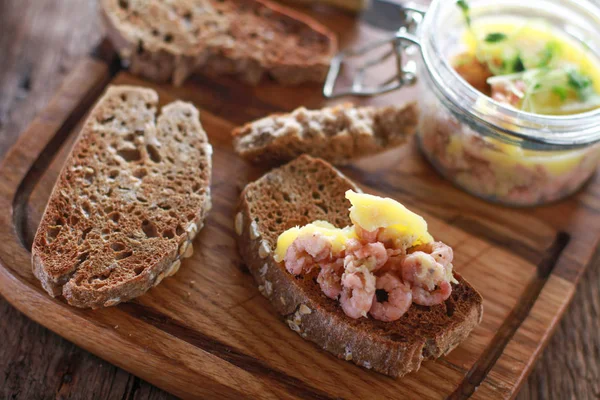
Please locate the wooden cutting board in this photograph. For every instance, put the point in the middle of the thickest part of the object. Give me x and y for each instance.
(207, 332)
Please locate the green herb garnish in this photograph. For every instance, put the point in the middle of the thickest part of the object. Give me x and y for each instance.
(518, 65)
(579, 82)
(495, 37)
(561, 92)
(548, 54)
(464, 6)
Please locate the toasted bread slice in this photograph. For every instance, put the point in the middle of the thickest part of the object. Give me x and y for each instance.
(129, 200)
(337, 134)
(310, 189)
(169, 40)
(349, 5)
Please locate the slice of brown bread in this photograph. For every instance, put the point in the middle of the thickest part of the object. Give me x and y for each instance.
(129, 200)
(169, 40)
(309, 189)
(336, 134)
(349, 5)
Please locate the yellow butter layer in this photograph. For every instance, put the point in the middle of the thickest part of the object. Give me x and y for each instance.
(370, 213)
(507, 156)
(373, 212)
(337, 237)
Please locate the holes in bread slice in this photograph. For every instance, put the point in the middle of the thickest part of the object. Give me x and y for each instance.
(149, 229)
(153, 153)
(117, 246)
(140, 173)
(168, 234)
(129, 154)
(52, 233)
(124, 254)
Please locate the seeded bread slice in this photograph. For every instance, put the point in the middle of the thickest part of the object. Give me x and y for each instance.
(349, 5)
(129, 200)
(169, 40)
(309, 189)
(336, 134)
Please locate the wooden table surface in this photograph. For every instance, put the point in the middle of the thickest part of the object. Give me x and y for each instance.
(40, 40)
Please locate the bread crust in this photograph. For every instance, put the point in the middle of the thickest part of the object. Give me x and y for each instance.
(394, 349)
(120, 218)
(337, 134)
(249, 39)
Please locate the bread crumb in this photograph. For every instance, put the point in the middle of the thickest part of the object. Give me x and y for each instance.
(192, 231)
(239, 223)
(293, 326)
(263, 270)
(184, 247)
(189, 251)
(268, 288)
(264, 250)
(304, 309)
(254, 230)
(159, 278)
(347, 353)
(112, 302)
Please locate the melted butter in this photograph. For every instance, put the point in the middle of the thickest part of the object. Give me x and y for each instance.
(370, 213)
(336, 236)
(373, 212)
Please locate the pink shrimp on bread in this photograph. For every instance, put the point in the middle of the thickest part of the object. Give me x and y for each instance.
(305, 252)
(399, 298)
(358, 290)
(330, 278)
(425, 297)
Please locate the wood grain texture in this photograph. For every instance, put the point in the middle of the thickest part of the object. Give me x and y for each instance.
(31, 371)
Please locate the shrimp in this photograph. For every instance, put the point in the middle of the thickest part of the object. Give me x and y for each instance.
(305, 251)
(399, 298)
(372, 255)
(420, 269)
(369, 237)
(473, 71)
(329, 278)
(442, 253)
(509, 93)
(358, 290)
(394, 261)
(424, 297)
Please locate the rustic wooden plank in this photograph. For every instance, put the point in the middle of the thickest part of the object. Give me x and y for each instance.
(214, 315)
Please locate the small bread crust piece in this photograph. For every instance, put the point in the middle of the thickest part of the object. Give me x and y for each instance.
(309, 189)
(250, 39)
(336, 134)
(131, 197)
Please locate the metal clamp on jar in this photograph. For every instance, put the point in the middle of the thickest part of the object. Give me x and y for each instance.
(480, 141)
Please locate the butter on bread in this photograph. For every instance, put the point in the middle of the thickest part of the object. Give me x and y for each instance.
(307, 190)
(130, 198)
(337, 134)
(250, 39)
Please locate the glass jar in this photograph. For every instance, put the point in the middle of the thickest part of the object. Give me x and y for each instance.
(491, 150)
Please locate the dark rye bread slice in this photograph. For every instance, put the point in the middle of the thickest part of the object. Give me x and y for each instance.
(129, 200)
(309, 189)
(169, 40)
(337, 134)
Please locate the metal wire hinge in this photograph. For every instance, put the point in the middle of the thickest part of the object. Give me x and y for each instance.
(400, 43)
